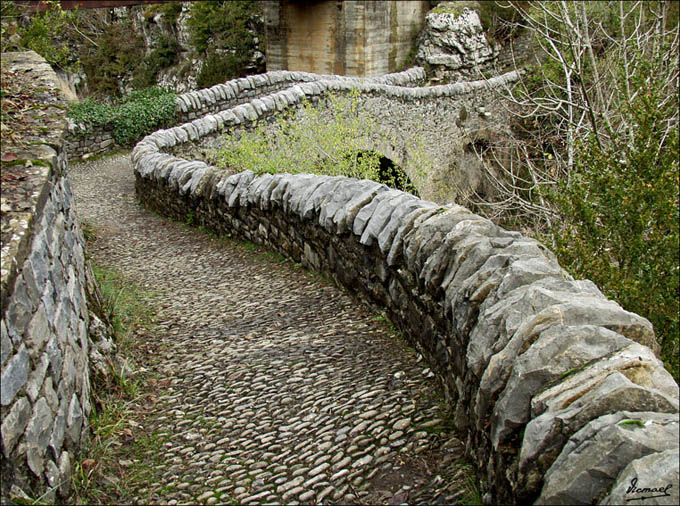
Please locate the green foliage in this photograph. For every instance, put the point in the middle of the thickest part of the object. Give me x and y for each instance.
(220, 67)
(170, 11)
(47, 33)
(313, 140)
(132, 117)
(500, 20)
(117, 53)
(620, 212)
(166, 54)
(126, 304)
(221, 24)
(220, 31)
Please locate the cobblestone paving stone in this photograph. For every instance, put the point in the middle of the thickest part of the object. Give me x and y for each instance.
(277, 386)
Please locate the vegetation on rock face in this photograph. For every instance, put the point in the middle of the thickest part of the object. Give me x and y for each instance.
(50, 33)
(131, 117)
(108, 47)
(222, 33)
(118, 50)
(311, 141)
(165, 55)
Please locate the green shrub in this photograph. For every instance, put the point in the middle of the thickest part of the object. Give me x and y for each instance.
(316, 142)
(166, 54)
(500, 20)
(49, 33)
(222, 32)
(219, 68)
(132, 117)
(170, 11)
(221, 24)
(620, 213)
(117, 54)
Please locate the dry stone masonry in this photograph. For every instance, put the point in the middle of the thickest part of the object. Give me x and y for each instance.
(557, 389)
(404, 113)
(84, 141)
(45, 388)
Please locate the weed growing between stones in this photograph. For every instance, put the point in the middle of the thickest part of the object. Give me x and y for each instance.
(631, 422)
(115, 402)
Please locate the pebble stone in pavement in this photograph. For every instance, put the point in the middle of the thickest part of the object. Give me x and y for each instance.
(278, 386)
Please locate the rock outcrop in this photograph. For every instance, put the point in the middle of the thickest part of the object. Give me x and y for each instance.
(453, 44)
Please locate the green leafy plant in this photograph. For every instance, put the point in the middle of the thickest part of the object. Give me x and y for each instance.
(131, 117)
(594, 158)
(49, 33)
(620, 211)
(225, 33)
(169, 10)
(116, 54)
(166, 54)
(319, 140)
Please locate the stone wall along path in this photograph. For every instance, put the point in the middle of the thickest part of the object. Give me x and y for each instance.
(279, 386)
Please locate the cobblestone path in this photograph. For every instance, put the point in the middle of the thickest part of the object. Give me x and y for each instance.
(272, 385)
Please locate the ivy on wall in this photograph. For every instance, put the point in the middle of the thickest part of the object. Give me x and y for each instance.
(130, 118)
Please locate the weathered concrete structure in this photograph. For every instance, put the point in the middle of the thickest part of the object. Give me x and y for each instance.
(346, 38)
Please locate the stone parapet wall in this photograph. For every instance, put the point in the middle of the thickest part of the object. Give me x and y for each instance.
(98, 140)
(87, 140)
(45, 388)
(195, 104)
(403, 114)
(557, 389)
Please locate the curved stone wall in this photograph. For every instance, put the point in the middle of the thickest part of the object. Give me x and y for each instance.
(45, 385)
(86, 140)
(403, 113)
(556, 388)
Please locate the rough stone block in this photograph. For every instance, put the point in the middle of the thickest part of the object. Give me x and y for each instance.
(431, 231)
(14, 375)
(557, 350)
(242, 181)
(37, 436)
(66, 473)
(381, 216)
(6, 347)
(408, 222)
(390, 229)
(74, 422)
(346, 214)
(342, 194)
(58, 430)
(35, 379)
(655, 474)
(297, 186)
(318, 198)
(593, 458)
(298, 195)
(580, 310)
(14, 424)
(366, 212)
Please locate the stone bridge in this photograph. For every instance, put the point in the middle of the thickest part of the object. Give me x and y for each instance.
(426, 131)
(556, 392)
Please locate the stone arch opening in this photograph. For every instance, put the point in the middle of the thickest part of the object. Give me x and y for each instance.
(391, 173)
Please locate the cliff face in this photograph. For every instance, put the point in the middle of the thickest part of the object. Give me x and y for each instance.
(112, 51)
